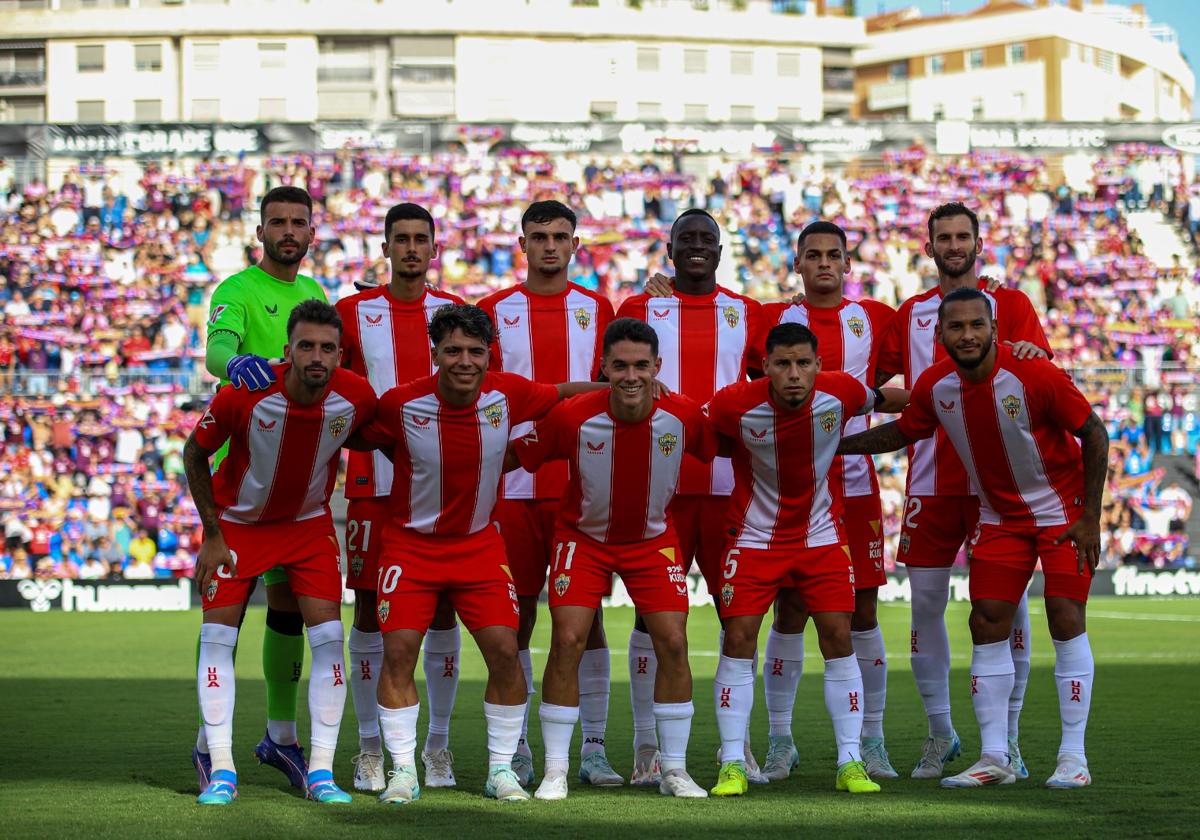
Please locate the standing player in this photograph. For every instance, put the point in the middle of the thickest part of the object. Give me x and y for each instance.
(706, 334)
(549, 330)
(785, 533)
(940, 510)
(625, 449)
(448, 434)
(849, 333)
(268, 505)
(1014, 426)
(246, 327)
(386, 339)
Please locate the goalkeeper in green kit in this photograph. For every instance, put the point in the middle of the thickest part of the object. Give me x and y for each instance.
(247, 326)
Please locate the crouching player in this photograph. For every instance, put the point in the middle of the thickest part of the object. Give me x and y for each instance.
(784, 533)
(625, 447)
(267, 506)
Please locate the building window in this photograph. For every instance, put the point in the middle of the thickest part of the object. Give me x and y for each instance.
(741, 113)
(206, 110)
(206, 55)
(272, 55)
(89, 111)
(897, 71)
(790, 114)
(272, 109)
(977, 109)
(788, 64)
(937, 65)
(938, 112)
(741, 63)
(605, 109)
(695, 61)
(1106, 61)
(695, 113)
(649, 110)
(89, 58)
(647, 59)
(147, 110)
(1016, 53)
(147, 58)
(1019, 103)
(974, 59)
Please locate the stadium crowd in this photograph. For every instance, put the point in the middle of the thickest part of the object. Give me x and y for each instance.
(106, 280)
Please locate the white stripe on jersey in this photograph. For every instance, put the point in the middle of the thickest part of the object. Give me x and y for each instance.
(264, 437)
(493, 443)
(947, 399)
(335, 405)
(1027, 468)
(664, 472)
(821, 527)
(762, 514)
(597, 439)
(422, 439)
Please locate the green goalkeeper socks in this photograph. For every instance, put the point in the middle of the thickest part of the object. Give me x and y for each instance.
(283, 662)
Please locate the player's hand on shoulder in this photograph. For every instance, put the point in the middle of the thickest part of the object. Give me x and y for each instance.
(797, 299)
(1027, 350)
(253, 372)
(659, 285)
(661, 391)
(991, 283)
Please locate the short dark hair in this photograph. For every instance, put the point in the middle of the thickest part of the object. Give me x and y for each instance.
(630, 329)
(820, 226)
(403, 212)
(544, 212)
(284, 195)
(962, 296)
(313, 312)
(468, 318)
(789, 335)
(694, 211)
(953, 208)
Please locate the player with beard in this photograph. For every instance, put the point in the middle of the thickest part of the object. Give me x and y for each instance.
(247, 325)
(1014, 424)
(941, 510)
(386, 339)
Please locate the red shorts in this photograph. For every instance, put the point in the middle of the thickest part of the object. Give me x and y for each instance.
(1003, 560)
(934, 528)
(862, 522)
(415, 569)
(652, 571)
(365, 519)
(702, 525)
(752, 577)
(527, 526)
(308, 551)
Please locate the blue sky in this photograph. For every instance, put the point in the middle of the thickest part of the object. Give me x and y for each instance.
(1181, 15)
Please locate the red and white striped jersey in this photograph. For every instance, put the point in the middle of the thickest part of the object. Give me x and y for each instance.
(449, 459)
(848, 337)
(1014, 433)
(550, 339)
(782, 457)
(387, 341)
(623, 475)
(282, 459)
(706, 343)
(910, 346)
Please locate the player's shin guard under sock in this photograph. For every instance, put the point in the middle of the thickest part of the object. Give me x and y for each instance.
(783, 665)
(326, 692)
(1019, 644)
(440, 663)
(643, 667)
(594, 678)
(991, 686)
(215, 688)
(872, 663)
(399, 729)
(558, 725)
(931, 645)
(504, 731)
(674, 729)
(283, 663)
(1074, 670)
(844, 700)
(525, 657)
(366, 660)
(733, 696)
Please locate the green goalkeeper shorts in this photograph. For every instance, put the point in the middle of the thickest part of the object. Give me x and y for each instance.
(273, 576)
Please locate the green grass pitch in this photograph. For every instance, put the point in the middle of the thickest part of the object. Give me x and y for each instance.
(100, 715)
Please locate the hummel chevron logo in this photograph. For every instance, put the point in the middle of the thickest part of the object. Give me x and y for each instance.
(271, 310)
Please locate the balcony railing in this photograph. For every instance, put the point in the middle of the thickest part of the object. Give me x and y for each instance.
(22, 78)
(345, 74)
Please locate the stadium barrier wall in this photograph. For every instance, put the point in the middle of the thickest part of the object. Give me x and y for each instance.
(180, 593)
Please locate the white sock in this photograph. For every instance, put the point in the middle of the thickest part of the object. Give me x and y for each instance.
(366, 659)
(282, 732)
(844, 700)
(783, 665)
(1074, 671)
(526, 660)
(643, 667)
(747, 752)
(503, 731)
(931, 645)
(399, 729)
(326, 692)
(215, 687)
(595, 673)
(991, 686)
(558, 725)
(733, 696)
(440, 663)
(1019, 643)
(872, 663)
(674, 729)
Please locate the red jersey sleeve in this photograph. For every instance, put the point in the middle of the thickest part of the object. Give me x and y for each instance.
(545, 441)
(495, 360)
(219, 420)
(1019, 321)
(633, 307)
(350, 336)
(722, 411)
(605, 316)
(756, 334)
(918, 420)
(384, 427)
(881, 316)
(1064, 403)
(365, 402)
(889, 355)
(854, 395)
(527, 400)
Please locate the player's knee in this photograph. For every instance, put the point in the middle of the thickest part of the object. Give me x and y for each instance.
(1066, 618)
(865, 615)
(569, 640)
(671, 645)
(740, 641)
(834, 639)
(988, 624)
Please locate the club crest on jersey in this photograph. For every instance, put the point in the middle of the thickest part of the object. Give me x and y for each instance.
(667, 443)
(856, 326)
(731, 316)
(727, 594)
(583, 318)
(1011, 406)
(338, 425)
(561, 584)
(494, 414)
(356, 565)
(211, 592)
(828, 421)
(383, 610)
(904, 543)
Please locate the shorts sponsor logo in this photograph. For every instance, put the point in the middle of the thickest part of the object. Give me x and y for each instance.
(905, 541)
(216, 313)
(494, 414)
(374, 321)
(1011, 406)
(856, 326)
(731, 316)
(266, 427)
(338, 425)
(727, 594)
(667, 443)
(383, 610)
(356, 565)
(561, 584)
(828, 421)
(39, 593)
(512, 597)
(583, 318)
